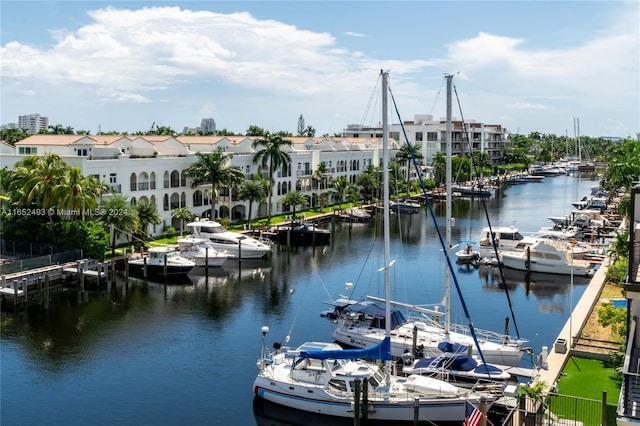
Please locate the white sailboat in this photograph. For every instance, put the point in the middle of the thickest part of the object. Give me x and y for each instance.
(323, 378)
(360, 324)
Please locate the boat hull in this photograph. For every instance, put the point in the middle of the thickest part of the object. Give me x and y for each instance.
(402, 341)
(315, 400)
(519, 262)
(138, 267)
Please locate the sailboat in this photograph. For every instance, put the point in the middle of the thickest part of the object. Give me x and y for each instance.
(361, 323)
(326, 379)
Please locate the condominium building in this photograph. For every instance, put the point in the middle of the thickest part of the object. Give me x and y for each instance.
(33, 123)
(153, 167)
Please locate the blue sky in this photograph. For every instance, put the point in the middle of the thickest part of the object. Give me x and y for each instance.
(121, 65)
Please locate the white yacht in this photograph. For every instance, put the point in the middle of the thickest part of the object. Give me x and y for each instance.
(235, 244)
(160, 261)
(201, 251)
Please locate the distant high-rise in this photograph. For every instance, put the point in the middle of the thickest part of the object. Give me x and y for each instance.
(208, 126)
(33, 123)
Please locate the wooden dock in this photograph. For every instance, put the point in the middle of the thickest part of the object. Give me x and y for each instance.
(18, 287)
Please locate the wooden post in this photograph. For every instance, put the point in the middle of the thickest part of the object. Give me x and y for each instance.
(126, 266)
(25, 289)
(113, 272)
(144, 268)
(365, 399)
(483, 410)
(416, 412)
(81, 265)
(39, 290)
(15, 292)
(528, 259)
(206, 262)
(164, 267)
(356, 402)
(46, 291)
(239, 249)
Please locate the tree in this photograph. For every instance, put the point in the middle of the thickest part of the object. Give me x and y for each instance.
(272, 155)
(294, 199)
(213, 169)
(183, 215)
(12, 135)
(254, 190)
(340, 187)
(623, 166)
(35, 181)
(147, 214)
(319, 176)
(76, 192)
(118, 215)
(310, 131)
(254, 130)
(301, 127)
(405, 156)
(369, 182)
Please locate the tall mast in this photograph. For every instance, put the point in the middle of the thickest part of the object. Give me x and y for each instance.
(448, 175)
(386, 212)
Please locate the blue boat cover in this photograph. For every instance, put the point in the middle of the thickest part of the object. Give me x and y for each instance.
(376, 310)
(454, 348)
(380, 351)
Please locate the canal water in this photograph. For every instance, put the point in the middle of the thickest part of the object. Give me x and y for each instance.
(185, 353)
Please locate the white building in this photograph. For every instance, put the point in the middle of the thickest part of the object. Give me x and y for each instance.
(33, 123)
(152, 167)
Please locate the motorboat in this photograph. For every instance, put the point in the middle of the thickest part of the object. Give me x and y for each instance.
(405, 207)
(355, 214)
(501, 238)
(201, 251)
(544, 256)
(235, 244)
(161, 261)
(467, 254)
(301, 233)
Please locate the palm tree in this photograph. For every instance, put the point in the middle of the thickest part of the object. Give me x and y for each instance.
(76, 192)
(294, 199)
(183, 215)
(35, 180)
(253, 190)
(369, 182)
(319, 176)
(118, 215)
(405, 156)
(254, 130)
(212, 169)
(341, 187)
(147, 215)
(272, 155)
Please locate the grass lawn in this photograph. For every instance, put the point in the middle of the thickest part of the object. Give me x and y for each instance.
(587, 378)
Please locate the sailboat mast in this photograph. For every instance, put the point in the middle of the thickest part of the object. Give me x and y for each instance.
(449, 180)
(385, 203)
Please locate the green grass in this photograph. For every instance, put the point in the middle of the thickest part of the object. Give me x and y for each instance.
(587, 378)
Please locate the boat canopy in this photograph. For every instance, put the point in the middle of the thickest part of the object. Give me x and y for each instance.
(376, 311)
(381, 351)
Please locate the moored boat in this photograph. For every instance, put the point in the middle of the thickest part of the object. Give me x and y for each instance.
(161, 261)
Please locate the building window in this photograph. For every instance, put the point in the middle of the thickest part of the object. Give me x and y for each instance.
(28, 150)
(432, 136)
(112, 178)
(418, 136)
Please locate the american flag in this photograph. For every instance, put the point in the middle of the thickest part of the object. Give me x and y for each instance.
(472, 415)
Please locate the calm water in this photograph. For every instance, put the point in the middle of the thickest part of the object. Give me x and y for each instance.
(186, 353)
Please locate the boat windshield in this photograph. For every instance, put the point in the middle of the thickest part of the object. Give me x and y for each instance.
(218, 229)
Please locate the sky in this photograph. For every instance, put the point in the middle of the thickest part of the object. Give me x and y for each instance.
(126, 66)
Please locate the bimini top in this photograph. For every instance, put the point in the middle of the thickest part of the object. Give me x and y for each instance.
(381, 351)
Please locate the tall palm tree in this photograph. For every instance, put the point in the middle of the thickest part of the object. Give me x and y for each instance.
(341, 187)
(369, 182)
(319, 176)
(272, 156)
(294, 199)
(183, 215)
(254, 190)
(147, 215)
(213, 169)
(118, 215)
(77, 192)
(405, 156)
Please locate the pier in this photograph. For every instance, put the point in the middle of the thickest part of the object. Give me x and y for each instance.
(19, 287)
